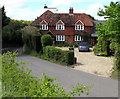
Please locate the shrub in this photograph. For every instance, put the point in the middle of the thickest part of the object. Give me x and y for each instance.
(12, 31)
(26, 49)
(103, 54)
(66, 45)
(117, 58)
(46, 40)
(100, 49)
(32, 38)
(17, 82)
(65, 57)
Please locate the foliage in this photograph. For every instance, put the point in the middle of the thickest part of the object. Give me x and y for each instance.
(65, 57)
(31, 38)
(110, 29)
(5, 19)
(66, 45)
(46, 40)
(17, 82)
(12, 31)
(86, 37)
(117, 58)
(101, 48)
(116, 74)
(27, 49)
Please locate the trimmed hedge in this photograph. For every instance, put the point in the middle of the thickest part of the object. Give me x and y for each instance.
(65, 57)
(46, 40)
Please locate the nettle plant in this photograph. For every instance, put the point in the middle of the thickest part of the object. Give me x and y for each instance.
(17, 82)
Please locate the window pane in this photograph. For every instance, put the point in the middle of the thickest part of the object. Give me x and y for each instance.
(62, 37)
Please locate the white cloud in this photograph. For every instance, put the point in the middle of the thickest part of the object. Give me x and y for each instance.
(64, 2)
(13, 3)
(16, 9)
(92, 10)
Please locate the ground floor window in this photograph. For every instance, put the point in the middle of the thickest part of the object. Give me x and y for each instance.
(60, 37)
(78, 38)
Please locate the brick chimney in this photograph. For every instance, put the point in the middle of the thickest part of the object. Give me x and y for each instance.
(71, 10)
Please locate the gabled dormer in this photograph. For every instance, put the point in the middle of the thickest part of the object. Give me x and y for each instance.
(79, 25)
(44, 25)
(60, 25)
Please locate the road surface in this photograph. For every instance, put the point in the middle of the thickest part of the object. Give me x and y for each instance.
(102, 87)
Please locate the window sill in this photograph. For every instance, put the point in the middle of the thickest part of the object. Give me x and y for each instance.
(59, 41)
(59, 30)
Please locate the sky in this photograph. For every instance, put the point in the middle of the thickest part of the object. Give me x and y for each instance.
(31, 9)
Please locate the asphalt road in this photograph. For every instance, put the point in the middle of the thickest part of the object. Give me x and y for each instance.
(101, 86)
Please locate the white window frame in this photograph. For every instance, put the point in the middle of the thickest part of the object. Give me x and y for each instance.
(44, 27)
(79, 27)
(78, 38)
(60, 27)
(60, 37)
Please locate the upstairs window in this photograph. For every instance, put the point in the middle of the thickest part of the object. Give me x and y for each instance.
(44, 25)
(78, 38)
(60, 25)
(79, 25)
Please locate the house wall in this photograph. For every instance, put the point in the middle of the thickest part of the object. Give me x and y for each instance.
(69, 32)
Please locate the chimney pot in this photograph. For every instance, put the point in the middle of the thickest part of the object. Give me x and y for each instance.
(71, 10)
(45, 6)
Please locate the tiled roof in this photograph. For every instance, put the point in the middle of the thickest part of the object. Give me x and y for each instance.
(68, 19)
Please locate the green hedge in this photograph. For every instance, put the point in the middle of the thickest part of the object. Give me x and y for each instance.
(46, 40)
(65, 57)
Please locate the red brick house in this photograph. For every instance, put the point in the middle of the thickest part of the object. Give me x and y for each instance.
(65, 27)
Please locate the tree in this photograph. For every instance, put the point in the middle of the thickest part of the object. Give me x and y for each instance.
(31, 39)
(12, 31)
(5, 19)
(110, 29)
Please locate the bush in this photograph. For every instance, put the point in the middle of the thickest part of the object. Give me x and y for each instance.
(100, 49)
(65, 57)
(26, 49)
(17, 82)
(66, 45)
(46, 40)
(32, 38)
(117, 58)
(12, 31)
(103, 54)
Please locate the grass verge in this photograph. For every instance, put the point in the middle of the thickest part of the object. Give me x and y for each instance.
(116, 74)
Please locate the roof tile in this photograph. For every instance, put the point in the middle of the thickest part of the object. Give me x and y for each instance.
(68, 19)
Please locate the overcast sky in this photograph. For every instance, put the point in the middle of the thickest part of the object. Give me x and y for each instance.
(30, 9)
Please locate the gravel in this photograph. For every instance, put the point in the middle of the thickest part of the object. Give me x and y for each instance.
(88, 62)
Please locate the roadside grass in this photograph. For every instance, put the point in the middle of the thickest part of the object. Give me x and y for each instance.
(116, 74)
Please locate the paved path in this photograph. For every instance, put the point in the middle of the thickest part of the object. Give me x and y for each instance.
(102, 87)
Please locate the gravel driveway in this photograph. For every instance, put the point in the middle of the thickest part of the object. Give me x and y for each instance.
(88, 62)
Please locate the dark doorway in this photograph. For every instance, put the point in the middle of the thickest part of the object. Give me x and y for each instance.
(50, 33)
